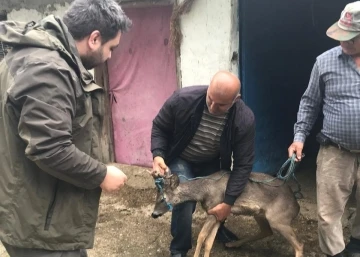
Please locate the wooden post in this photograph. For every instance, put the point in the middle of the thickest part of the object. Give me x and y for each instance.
(107, 135)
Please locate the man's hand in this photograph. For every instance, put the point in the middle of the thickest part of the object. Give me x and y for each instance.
(159, 167)
(296, 147)
(114, 179)
(220, 211)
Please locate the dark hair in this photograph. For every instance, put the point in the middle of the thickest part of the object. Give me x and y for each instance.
(85, 16)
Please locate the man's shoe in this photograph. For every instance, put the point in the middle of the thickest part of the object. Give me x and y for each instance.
(224, 235)
(353, 246)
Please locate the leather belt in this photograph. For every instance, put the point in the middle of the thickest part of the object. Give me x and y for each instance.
(343, 148)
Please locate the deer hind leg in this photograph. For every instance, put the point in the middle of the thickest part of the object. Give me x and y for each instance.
(204, 233)
(210, 239)
(265, 231)
(287, 231)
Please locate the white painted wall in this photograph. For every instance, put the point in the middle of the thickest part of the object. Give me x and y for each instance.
(209, 38)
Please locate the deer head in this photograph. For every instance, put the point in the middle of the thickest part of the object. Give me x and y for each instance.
(166, 196)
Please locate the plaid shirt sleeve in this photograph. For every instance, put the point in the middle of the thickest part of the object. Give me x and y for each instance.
(310, 105)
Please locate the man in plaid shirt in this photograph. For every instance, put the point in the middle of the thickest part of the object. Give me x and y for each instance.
(335, 87)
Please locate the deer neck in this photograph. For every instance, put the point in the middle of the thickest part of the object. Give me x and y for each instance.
(191, 192)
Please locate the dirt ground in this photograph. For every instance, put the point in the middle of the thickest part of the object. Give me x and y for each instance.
(125, 227)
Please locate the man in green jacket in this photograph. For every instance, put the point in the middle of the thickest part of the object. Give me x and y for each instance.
(50, 118)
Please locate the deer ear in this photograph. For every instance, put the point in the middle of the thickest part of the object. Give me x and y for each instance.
(174, 181)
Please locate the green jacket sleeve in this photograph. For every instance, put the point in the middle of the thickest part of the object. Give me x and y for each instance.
(44, 95)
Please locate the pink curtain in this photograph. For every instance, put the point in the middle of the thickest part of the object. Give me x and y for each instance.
(142, 75)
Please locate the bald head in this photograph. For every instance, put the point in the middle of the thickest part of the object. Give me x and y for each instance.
(224, 89)
(225, 84)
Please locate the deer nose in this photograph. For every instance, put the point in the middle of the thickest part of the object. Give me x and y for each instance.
(155, 215)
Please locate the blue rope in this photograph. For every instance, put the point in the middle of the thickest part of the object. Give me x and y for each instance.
(206, 177)
(291, 170)
(290, 173)
(159, 183)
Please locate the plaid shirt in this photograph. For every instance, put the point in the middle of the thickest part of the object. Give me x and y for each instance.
(335, 86)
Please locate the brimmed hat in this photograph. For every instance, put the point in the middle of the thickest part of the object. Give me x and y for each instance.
(348, 26)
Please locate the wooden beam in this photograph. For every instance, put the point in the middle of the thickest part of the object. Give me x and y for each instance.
(107, 133)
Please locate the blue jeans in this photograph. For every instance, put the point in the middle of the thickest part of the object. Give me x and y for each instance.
(181, 218)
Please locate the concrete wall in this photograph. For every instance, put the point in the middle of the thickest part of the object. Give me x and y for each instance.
(210, 36)
(35, 14)
(38, 5)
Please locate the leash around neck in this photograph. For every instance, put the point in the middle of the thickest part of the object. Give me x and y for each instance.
(159, 183)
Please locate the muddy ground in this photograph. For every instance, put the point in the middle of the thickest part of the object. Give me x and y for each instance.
(125, 227)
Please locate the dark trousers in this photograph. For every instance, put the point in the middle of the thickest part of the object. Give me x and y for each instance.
(181, 219)
(24, 252)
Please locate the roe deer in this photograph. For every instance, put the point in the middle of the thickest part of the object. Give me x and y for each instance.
(273, 206)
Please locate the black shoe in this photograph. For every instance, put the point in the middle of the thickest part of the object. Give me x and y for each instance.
(224, 235)
(353, 246)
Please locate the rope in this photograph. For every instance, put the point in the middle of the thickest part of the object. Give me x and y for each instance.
(206, 177)
(159, 183)
(290, 173)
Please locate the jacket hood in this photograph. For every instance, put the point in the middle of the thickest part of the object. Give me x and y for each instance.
(50, 33)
